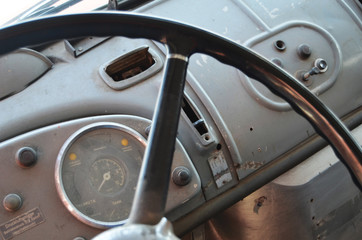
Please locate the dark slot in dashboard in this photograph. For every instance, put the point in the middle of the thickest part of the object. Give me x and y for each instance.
(130, 65)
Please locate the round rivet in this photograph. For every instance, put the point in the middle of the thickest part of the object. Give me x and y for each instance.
(304, 51)
(181, 176)
(12, 202)
(26, 157)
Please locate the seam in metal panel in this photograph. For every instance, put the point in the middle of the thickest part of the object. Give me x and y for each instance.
(252, 15)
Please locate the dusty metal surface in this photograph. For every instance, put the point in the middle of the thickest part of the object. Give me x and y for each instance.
(248, 125)
(297, 205)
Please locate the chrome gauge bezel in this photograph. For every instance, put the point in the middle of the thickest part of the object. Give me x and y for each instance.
(60, 159)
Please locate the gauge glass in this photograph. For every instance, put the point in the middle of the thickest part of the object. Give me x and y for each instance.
(97, 171)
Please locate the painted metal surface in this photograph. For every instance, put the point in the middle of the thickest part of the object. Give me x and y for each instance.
(48, 142)
(15, 76)
(297, 205)
(250, 133)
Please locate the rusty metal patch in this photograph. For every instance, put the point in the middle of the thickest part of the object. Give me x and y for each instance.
(21, 223)
(251, 165)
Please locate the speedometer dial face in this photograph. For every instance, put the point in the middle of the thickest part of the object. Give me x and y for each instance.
(107, 176)
(97, 171)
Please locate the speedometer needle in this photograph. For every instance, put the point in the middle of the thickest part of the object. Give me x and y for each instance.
(106, 177)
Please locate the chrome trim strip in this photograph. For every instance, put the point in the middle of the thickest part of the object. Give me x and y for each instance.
(178, 56)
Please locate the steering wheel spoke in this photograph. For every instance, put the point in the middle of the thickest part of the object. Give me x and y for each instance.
(151, 194)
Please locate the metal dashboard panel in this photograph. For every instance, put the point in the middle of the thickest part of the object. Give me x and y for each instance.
(294, 34)
(251, 133)
(239, 117)
(315, 200)
(16, 76)
(36, 184)
(259, 127)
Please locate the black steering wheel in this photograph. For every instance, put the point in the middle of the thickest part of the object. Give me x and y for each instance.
(182, 41)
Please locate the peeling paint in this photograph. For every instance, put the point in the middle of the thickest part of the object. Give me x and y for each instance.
(330, 217)
(259, 203)
(250, 165)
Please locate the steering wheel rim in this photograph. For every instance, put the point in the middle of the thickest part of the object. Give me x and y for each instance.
(183, 41)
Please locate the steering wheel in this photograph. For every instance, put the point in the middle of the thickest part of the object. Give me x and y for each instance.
(182, 41)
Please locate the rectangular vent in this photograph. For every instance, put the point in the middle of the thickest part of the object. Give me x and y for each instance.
(196, 120)
(130, 65)
(131, 68)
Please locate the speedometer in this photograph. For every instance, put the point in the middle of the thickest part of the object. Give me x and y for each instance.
(96, 173)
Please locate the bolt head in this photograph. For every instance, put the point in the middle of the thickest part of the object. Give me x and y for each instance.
(181, 176)
(304, 51)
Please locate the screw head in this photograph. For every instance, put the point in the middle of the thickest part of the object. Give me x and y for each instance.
(321, 64)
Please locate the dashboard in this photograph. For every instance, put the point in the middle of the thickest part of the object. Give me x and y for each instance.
(76, 114)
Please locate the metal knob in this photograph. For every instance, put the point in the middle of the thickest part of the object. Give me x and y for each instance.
(304, 51)
(26, 157)
(12, 202)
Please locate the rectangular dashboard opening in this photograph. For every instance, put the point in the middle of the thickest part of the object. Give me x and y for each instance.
(130, 65)
(196, 120)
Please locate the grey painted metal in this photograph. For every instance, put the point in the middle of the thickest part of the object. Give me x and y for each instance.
(264, 215)
(294, 33)
(77, 47)
(125, 83)
(270, 129)
(16, 76)
(287, 161)
(279, 82)
(36, 185)
(224, 96)
(237, 124)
